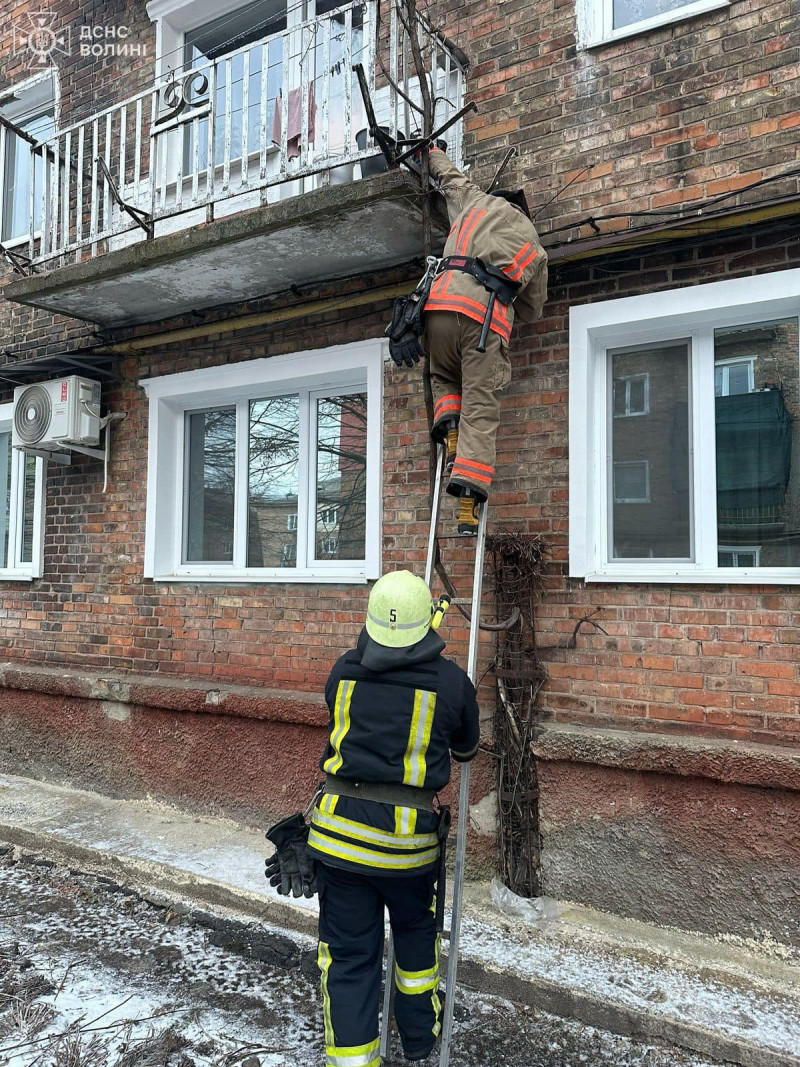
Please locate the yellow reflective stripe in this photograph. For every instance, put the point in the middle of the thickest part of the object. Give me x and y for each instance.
(366, 856)
(413, 982)
(361, 832)
(324, 961)
(353, 1055)
(405, 821)
(328, 802)
(341, 724)
(419, 737)
(437, 1013)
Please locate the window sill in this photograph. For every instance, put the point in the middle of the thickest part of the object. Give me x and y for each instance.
(667, 19)
(286, 577)
(732, 576)
(17, 576)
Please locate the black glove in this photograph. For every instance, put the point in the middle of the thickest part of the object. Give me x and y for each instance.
(291, 868)
(438, 143)
(406, 349)
(405, 329)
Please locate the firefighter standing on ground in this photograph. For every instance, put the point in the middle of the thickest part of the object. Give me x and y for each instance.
(399, 710)
(495, 228)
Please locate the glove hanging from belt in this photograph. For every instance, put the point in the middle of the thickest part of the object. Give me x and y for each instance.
(291, 867)
(408, 321)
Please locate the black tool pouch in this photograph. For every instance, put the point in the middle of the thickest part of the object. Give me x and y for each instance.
(442, 832)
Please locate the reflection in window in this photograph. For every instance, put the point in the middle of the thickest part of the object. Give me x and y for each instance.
(734, 376)
(5, 497)
(745, 556)
(273, 481)
(341, 504)
(651, 513)
(631, 395)
(757, 390)
(629, 12)
(211, 471)
(632, 482)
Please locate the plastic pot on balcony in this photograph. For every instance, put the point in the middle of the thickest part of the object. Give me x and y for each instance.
(375, 164)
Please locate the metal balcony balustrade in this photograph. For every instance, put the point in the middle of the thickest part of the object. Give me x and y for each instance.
(274, 119)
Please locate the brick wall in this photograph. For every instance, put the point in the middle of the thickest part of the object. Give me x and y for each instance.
(692, 110)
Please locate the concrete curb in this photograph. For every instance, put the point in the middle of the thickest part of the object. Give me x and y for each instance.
(170, 883)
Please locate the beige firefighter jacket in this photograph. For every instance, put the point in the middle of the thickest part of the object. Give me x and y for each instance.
(489, 228)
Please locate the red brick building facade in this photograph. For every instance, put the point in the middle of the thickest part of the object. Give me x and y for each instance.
(658, 146)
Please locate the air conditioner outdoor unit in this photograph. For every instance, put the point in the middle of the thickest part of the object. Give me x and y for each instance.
(52, 416)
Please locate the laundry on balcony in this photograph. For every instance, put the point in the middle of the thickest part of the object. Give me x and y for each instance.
(754, 449)
(294, 120)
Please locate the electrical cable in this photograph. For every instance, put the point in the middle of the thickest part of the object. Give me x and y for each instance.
(681, 212)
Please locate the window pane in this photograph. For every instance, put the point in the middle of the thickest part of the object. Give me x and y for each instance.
(341, 505)
(758, 446)
(28, 501)
(738, 379)
(17, 177)
(627, 12)
(5, 496)
(222, 35)
(273, 482)
(637, 388)
(211, 482)
(651, 509)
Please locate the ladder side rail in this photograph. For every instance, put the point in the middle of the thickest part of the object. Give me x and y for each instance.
(389, 986)
(463, 803)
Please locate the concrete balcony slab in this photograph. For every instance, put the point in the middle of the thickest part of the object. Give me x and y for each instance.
(334, 232)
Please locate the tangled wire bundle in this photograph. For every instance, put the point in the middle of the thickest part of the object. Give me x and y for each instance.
(517, 562)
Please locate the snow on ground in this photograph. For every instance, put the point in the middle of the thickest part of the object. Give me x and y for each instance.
(670, 989)
(91, 975)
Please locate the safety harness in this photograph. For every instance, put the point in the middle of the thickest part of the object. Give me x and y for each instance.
(401, 796)
(493, 279)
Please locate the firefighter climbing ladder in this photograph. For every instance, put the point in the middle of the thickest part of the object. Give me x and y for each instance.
(463, 793)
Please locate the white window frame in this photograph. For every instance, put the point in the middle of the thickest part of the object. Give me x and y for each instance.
(291, 522)
(628, 378)
(735, 361)
(645, 463)
(13, 569)
(35, 95)
(595, 20)
(691, 314)
(322, 372)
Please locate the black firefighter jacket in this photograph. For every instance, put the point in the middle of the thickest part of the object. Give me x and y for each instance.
(397, 715)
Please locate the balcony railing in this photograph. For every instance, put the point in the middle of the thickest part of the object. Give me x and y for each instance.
(273, 119)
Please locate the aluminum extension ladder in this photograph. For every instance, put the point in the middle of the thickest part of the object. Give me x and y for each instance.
(454, 935)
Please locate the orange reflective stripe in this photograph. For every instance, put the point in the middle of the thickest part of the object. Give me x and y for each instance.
(474, 463)
(463, 229)
(472, 309)
(465, 238)
(523, 264)
(510, 269)
(452, 400)
(457, 469)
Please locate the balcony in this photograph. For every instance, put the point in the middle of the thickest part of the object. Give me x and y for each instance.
(237, 178)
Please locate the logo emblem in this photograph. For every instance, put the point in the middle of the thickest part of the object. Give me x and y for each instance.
(41, 38)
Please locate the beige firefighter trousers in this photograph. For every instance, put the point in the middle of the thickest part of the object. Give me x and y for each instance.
(466, 387)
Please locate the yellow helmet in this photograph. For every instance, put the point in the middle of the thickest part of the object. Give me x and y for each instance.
(400, 610)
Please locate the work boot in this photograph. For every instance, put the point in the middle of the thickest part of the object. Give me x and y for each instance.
(468, 514)
(452, 448)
